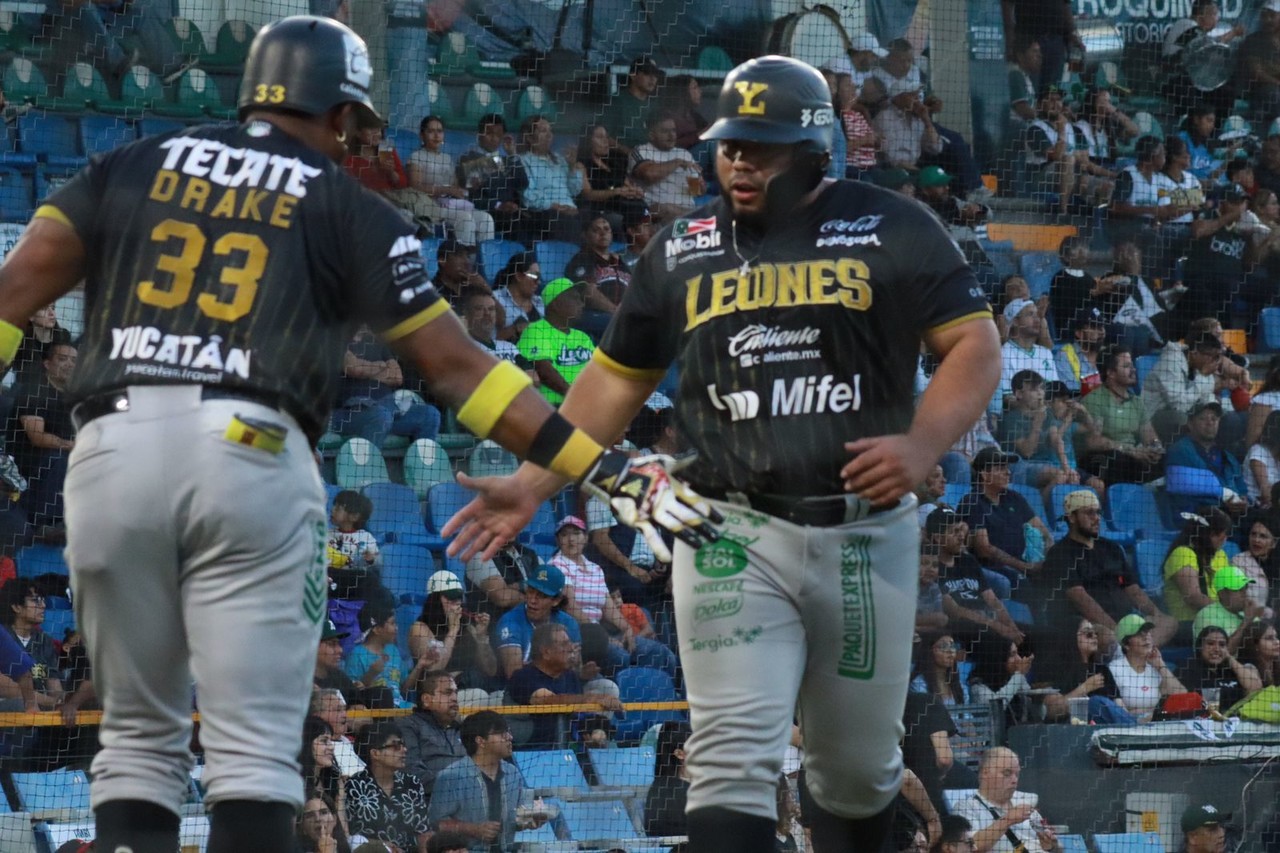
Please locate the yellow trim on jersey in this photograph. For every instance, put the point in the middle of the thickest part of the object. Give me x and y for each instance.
(976, 315)
(262, 437)
(577, 456)
(48, 211)
(492, 396)
(10, 340)
(417, 321)
(639, 373)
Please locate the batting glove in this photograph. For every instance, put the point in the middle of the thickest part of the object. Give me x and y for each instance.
(646, 496)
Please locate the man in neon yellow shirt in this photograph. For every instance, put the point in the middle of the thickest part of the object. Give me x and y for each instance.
(558, 351)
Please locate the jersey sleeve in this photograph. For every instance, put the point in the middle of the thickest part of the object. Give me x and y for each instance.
(393, 293)
(946, 292)
(644, 336)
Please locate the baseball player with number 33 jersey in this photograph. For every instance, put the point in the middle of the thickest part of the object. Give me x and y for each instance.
(225, 268)
(796, 307)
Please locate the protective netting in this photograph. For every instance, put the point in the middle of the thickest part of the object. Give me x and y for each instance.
(1110, 170)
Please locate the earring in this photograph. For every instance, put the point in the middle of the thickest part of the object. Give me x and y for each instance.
(342, 137)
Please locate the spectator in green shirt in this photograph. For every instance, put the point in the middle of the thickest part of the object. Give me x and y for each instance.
(558, 351)
(1122, 446)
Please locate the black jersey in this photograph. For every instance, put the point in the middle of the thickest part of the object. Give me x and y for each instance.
(236, 256)
(812, 346)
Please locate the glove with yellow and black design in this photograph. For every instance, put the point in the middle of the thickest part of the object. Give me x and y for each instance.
(645, 495)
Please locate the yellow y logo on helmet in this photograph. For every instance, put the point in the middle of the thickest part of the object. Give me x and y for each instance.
(749, 92)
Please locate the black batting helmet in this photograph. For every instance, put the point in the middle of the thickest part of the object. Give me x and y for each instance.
(774, 99)
(307, 64)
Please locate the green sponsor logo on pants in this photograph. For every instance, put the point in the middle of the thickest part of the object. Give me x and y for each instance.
(315, 595)
(721, 559)
(858, 629)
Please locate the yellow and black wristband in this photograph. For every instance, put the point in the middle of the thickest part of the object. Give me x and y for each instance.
(495, 393)
(10, 340)
(561, 447)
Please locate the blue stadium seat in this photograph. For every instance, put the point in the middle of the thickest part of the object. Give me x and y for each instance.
(153, 125)
(406, 142)
(397, 515)
(428, 251)
(406, 614)
(1128, 842)
(1150, 564)
(599, 820)
(1268, 339)
(1135, 511)
(57, 622)
(457, 142)
(1073, 844)
(52, 138)
(36, 560)
(551, 770)
(1039, 268)
(405, 569)
(1033, 497)
(17, 196)
(541, 529)
(643, 684)
(628, 767)
(956, 491)
(494, 255)
(330, 492)
(1144, 364)
(102, 133)
(443, 501)
(51, 791)
(553, 256)
(1019, 612)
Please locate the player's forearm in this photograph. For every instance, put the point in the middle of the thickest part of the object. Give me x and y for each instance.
(960, 388)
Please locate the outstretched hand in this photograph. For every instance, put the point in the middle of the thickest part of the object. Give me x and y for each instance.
(501, 509)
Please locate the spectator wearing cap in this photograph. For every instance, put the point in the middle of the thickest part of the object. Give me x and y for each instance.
(1139, 669)
(626, 112)
(587, 600)
(638, 226)
(457, 276)
(1022, 350)
(558, 351)
(1014, 286)
(1220, 255)
(1200, 450)
(865, 54)
(367, 406)
(498, 584)
(1204, 829)
(543, 605)
(898, 180)
(671, 178)
(1087, 575)
(1183, 377)
(329, 672)
(1234, 611)
(445, 638)
(971, 606)
(1121, 446)
(1022, 432)
(1258, 74)
(961, 217)
(906, 126)
(1000, 519)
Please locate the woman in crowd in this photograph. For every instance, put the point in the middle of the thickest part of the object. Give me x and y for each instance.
(385, 803)
(374, 163)
(587, 600)
(433, 172)
(1261, 561)
(1260, 649)
(1139, 670)
(516, 292)
(935, 670)
(684, 102)
(1101, 126)
(319, 830)
(1081, 671)
(1262, 463)
(1267, 398)
(1213, 666)
(1141, 204)
(606, 183)
(319, 770)
(1000, 674)
(1186, 193)
(444, 638)
(1193, 557)
(665, 803)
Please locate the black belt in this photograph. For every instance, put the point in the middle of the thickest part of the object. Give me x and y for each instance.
(112, 402)
(811, 511)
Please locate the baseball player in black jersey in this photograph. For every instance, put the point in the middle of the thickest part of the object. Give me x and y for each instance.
(225, 267)
(796, 306)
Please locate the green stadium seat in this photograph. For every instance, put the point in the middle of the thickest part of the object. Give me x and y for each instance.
(16, 37)
(140, 91)
(425, 464)
(231, 49)
(82, 89)
(714, 58)
(534, 100)
(195, 97)
(359, 463)
(481, 100)
(188, 36)
(490, 459)
(455, 57)
(439, 105)
(24, 83)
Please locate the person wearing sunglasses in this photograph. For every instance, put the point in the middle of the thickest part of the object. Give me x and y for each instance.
(1080, 671)
(956, 837)
(384, 803)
